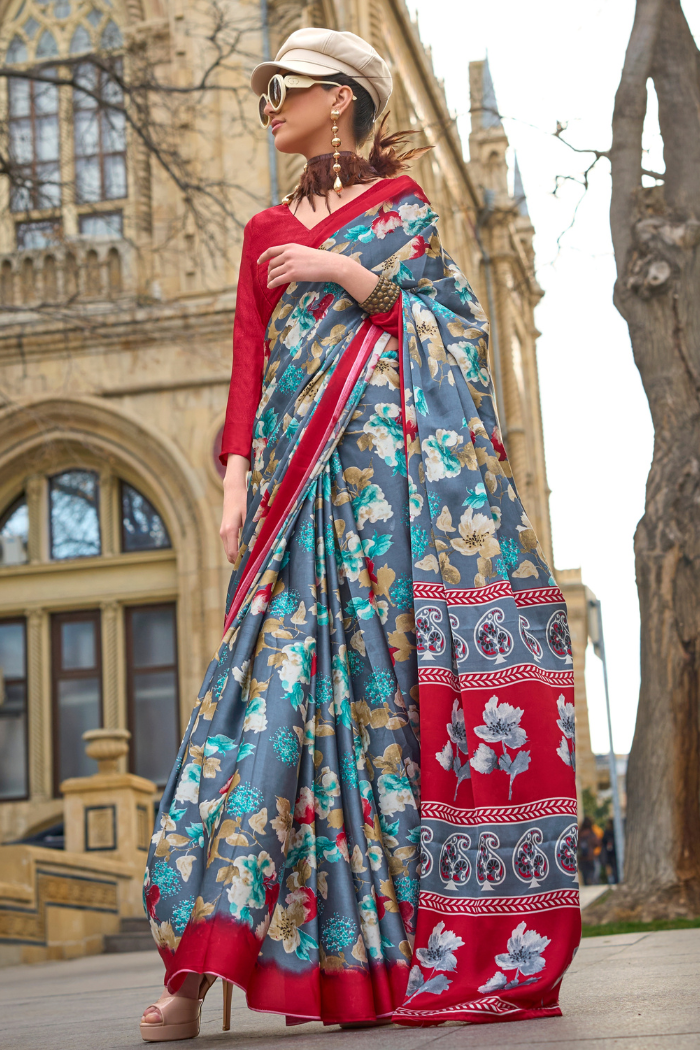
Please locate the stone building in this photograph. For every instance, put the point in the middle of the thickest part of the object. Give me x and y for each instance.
(116, 309)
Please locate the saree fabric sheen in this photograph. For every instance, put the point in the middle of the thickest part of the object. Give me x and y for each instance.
(373, 811)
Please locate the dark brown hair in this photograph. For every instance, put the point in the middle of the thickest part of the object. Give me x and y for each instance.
(384, 161)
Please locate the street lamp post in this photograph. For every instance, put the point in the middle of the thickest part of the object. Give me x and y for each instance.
(595, 633)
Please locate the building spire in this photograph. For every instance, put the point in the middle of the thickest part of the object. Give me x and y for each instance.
(490, 117)
(519, 190)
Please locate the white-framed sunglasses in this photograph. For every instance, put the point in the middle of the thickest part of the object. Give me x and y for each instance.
(277, 92)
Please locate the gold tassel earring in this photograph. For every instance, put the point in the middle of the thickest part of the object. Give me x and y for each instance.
(335, 143)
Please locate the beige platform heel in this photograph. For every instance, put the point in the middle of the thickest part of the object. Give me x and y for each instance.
(181, 1017)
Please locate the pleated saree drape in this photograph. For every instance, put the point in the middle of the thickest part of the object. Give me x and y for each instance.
(373, 810)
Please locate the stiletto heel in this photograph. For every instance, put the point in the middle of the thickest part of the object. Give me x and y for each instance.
(179, 1016)
(228, 993)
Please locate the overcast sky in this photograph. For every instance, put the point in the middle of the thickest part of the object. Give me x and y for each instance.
(555, 60)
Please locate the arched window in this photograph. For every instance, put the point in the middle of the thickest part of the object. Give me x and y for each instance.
(41, 32)
(74, 514)
(142, 526)
(14, 533)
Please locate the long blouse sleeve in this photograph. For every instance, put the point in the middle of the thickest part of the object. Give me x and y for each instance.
(248, 358)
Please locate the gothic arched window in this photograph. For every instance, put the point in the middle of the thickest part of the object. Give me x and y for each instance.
(14, 533)
(38, 36)
(143, 529)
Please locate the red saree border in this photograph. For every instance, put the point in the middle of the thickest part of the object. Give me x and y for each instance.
(510, 814)
(495, 679)
(520, 905)
(311, 444)
(486, 1010)
(437, 592)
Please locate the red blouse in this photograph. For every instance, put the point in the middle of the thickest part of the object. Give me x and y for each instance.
(255, 301)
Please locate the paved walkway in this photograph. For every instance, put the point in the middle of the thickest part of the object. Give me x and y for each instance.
(630, 992)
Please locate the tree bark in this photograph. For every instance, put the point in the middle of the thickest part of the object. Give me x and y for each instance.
(656, 237)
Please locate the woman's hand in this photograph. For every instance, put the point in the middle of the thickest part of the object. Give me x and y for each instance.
(235, 503)
(297, 262)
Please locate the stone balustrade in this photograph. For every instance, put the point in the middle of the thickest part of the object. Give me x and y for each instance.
(75, 270)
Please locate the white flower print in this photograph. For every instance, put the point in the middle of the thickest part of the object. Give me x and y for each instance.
(439, 955)
(484, 760)
(386, 433)
(449, 758)
(440, 456)
(567, 724)
(456, 730)
(476, 535)
(441, 945)
(501, 725)
(524, 955)
(415, 217)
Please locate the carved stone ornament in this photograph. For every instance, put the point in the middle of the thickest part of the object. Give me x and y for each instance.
(106, 746)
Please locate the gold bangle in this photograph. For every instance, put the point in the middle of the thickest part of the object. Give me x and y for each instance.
(382, 297)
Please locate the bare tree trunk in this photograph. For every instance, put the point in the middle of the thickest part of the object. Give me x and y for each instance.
(656, 236)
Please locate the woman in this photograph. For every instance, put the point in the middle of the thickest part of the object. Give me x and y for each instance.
(358, 736)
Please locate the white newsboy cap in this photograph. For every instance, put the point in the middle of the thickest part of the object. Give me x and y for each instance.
(319, 52)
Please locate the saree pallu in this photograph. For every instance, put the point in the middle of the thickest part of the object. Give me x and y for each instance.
(373, 810)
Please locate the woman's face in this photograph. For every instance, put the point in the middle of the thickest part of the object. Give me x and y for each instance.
(303, 123)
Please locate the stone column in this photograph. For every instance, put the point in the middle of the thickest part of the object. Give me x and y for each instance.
(37, 545)
(113, 706)
(38, 706)
(109, 531)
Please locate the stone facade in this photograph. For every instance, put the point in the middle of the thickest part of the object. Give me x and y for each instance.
(125, 377)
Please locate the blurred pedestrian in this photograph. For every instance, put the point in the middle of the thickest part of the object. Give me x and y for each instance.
(609, 853)
(588, 845)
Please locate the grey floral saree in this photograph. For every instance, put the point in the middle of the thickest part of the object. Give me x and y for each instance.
(373, 810)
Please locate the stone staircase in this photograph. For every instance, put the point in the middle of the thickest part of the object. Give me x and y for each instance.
(134, 936)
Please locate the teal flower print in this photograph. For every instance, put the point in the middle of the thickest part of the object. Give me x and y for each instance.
(324, 689)
(407, 890)
(267, 426)
(355, 663)
(165, 879)
(419, 401)
(419, 541)
(290, 379)
(284, 604)
(305, 536)
(338, 932)
(510, 551)
(380, 687)
(348, 769)
(245, 799)
(434, 503)
(401, 592)
(181, 915)
(285, 744)
(476, 497)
